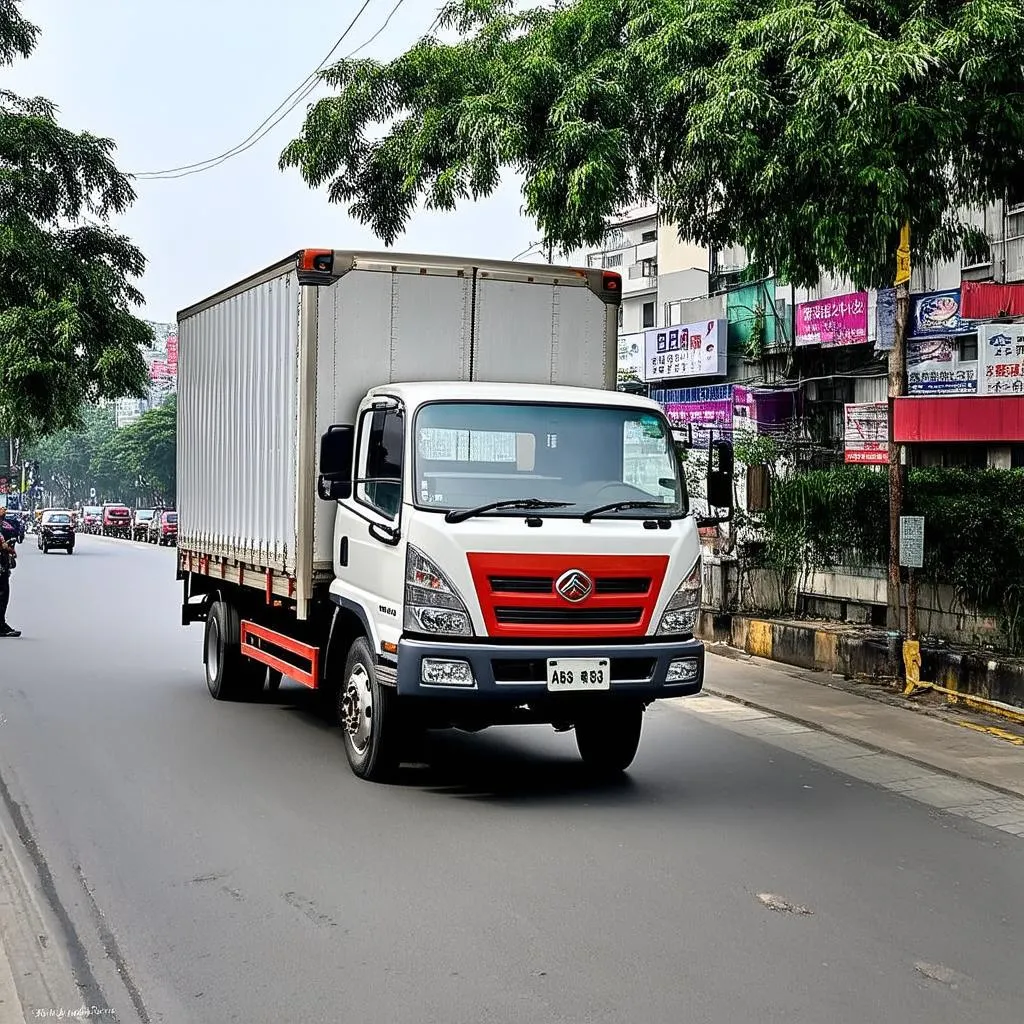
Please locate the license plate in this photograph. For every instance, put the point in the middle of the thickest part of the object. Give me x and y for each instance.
(568, 674)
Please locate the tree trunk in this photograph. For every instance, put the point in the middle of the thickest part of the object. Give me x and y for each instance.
(897, 469)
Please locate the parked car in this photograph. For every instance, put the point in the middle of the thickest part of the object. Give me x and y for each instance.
(140, 526)
(57, 530)
(117, 521)
(163, 528)
(92, 518)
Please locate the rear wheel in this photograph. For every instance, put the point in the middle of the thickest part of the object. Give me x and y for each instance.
(608, 739)
(229, 674)
(369, 717)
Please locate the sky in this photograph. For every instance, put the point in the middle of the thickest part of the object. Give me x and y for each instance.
(177, 82)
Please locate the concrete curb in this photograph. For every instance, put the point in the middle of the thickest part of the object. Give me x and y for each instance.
(856, 653)
(33, 972)
(875, 748)
(11, 1010)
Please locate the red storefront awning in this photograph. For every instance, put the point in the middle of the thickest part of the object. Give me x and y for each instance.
(982, 300)
(992, 419)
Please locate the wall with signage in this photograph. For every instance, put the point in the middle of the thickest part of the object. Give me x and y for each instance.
(867, 433)
(631, 356)
(1001, 350)
(934, 351)
(833, 322)
(685, 350)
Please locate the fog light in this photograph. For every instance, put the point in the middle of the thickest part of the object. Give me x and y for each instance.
(682, 671)
(445, 672)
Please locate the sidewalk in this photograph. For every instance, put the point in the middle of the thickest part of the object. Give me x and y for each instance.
(29, 951)
(936, 741)
(10, 1006)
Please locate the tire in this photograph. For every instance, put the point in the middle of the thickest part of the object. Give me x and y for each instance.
(273, 680)
(71, 550)
(229, 674)
(369, 717)
(608, 739)
(46, 549)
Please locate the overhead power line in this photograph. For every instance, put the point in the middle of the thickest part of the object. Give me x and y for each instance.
(283, 109)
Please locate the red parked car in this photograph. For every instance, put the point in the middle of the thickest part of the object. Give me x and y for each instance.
(163, 528)
(117, 521)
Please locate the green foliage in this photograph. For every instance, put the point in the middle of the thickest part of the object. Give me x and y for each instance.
(974, 530)
(752, 448)
(67, 336)
(135, 462)
(806, 131)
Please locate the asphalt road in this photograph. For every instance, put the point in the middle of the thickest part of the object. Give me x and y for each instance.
(219, 862)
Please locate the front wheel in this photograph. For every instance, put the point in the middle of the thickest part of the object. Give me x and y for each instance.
(608, 739)
(369, 717)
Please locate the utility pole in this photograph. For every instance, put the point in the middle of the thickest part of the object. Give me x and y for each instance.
(897, 389)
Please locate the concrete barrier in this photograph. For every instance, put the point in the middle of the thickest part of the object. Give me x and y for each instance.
(858, 652)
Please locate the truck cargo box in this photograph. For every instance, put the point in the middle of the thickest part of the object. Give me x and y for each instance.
(266, 366)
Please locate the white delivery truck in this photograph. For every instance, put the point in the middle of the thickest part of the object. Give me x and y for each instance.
(409, 482)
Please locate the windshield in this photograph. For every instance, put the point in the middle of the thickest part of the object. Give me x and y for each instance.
(144, 513)
(171, 517)
(58, 519)
(470, 454)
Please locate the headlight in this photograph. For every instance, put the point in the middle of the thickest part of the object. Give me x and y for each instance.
(680, 615)
(432, 604)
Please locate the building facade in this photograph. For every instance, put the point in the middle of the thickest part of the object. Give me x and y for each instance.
(693, 322)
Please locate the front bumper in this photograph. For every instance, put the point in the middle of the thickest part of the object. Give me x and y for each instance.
(517, 673)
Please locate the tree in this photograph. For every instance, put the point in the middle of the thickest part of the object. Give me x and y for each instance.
(155, 439)
(67, 335)
(66, 457)
(807, 131)
(133, 462)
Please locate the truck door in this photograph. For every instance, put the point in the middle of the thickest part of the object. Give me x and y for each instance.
(371, 519)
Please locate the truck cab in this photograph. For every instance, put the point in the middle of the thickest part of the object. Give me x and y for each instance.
(513, 553)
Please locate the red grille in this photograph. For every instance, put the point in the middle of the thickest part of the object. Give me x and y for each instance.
(518, 598)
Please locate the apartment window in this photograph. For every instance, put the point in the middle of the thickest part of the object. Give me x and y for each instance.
(980, 257)
(649, 236)
(613, 261)
(673, 313)
(648, 314)
(968, 349)
(649, 268)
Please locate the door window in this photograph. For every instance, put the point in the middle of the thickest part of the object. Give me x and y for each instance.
(380, 475)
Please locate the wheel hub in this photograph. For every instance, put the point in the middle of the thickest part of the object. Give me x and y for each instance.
(357, 709)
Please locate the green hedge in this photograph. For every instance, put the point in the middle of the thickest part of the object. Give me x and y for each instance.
(974, 530)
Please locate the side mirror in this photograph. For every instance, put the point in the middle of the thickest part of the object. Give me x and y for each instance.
(337, 451)
(721, 468)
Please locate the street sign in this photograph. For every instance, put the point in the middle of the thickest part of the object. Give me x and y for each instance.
(912, 541)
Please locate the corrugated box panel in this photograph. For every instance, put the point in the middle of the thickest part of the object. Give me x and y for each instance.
(237, 425)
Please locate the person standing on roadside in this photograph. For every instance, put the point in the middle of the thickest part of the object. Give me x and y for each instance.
(8, 538)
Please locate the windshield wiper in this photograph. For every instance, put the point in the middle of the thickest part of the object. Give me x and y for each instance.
(460, 515)
(616, 506)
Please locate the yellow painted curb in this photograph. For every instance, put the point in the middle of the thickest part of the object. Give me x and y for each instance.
(991, 730)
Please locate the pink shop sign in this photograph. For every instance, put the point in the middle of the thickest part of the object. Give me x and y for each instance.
(839, 320)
